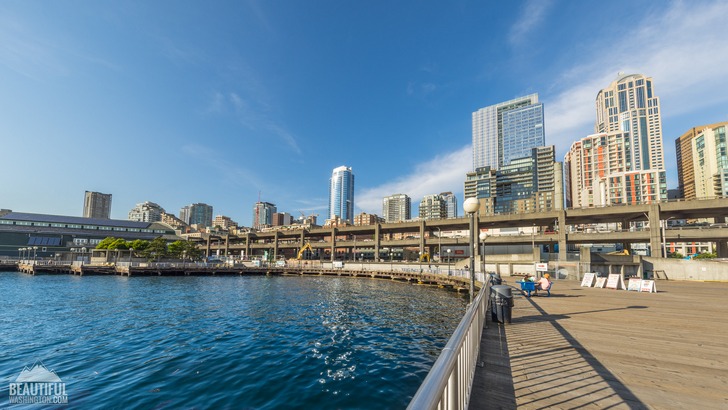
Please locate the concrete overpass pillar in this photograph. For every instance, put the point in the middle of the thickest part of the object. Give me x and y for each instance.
(207, 250)
(377, 240)
(655, 232)
(562, 235)
(722, 250)
(227, 244)
(247, 245)
(422, 240)
(275, 246)
(333, 244)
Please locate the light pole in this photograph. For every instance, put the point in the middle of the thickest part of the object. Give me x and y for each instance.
(448, 262)
(483, 236)
(35, 252)
(131, 250)
(471, 206)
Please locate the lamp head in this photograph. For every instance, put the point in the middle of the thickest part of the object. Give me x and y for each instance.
(483, 236)
(471, 205)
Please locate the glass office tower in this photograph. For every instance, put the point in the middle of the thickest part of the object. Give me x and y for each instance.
(341, 194)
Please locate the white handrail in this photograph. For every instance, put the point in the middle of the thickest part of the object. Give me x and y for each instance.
(449, 383)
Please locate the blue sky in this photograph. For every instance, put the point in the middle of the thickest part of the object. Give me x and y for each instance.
(179, 102)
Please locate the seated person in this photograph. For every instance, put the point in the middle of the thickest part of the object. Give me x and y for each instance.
(543, 283)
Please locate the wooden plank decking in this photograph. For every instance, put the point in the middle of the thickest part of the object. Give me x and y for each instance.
(602, 348)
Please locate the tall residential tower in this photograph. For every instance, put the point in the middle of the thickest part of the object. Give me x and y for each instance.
(97, 205)
(341, 194)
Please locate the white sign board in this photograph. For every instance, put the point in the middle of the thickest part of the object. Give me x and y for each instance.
(648, 286)
(338, 264)
(600, 282)
(615, 281)
(588, 280)
(542, 267)
(634, 284)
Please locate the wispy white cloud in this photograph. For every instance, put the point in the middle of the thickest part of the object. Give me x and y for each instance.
(251, 116)
(26, 52)
(532, 14)
(683, 47)
(442, 173)
(232, 173)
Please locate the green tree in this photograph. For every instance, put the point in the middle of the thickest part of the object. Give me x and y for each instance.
(139, 245)
(118, 244)
(186, 249)
(676, 255)
(104, 244)
(157, 249)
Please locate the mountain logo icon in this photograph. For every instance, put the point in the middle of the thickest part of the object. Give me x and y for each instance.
(38, 373)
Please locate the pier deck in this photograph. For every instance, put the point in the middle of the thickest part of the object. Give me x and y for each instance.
(603, 348)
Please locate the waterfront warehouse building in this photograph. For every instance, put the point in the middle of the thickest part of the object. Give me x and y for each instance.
(702, 162)
(96, 205)
(49, 235)
(341, 194)
(507, 131)
(396, 208)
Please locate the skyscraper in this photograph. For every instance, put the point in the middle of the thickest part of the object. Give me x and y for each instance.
(341, 194)
(629, 104)
(623, 162)
(507, 131)
(702, 162)
(396, 208)
(528, 184)
(451, 204)
(263, 214)
(96, 205)
(599, 173)
(201, 214)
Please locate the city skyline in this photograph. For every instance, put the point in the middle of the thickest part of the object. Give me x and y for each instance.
(260, 98)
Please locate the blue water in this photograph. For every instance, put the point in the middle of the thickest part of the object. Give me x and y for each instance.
(225, 342)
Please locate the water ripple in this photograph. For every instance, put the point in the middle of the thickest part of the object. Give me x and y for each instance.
(230, 342)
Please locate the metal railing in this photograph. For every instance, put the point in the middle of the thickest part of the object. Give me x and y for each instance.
(450, 381)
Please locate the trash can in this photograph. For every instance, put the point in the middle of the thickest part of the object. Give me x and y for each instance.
(501, 303)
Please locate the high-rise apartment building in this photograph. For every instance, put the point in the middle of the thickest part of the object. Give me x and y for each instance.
(146, 212)
(599, 172)
(507, 131)
(341, 194)
(702, 162)
(528, 184)
(97, 205)
(630, 105)
(224, 222)
(433, 207)
(197, 214)
(396, 208)
(451, 204)
(282, 219)
(263, 214)
(367, 219)
(623, 162)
